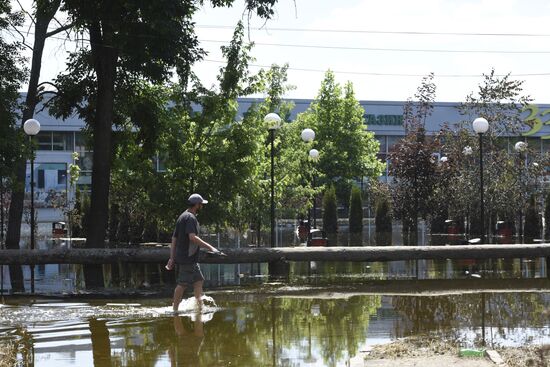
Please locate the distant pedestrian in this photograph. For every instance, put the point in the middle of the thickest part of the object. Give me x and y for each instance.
(184, 251)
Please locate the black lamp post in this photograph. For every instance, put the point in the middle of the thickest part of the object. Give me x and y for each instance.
(314, 155)
(520, 147)
(480, 126)
(308, 135)
(273, 122)
(32, 127)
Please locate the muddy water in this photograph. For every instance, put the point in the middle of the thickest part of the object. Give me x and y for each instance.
(262, 327)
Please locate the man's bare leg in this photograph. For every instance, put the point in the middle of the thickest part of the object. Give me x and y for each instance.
(178, 295)
(197, 288)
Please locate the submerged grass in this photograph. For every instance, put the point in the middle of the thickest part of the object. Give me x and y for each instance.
(8, 355)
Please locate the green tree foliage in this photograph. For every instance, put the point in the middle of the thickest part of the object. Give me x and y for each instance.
(330, 210)
(347, 150)
(510, 178)
(211, 150)
(356, 211)
(11, 77)
(13, 147)
(129, 41)
(383, 221)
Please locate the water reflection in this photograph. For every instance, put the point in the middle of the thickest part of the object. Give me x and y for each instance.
(254, 329)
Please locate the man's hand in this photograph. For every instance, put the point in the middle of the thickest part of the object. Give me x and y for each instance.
(170, 264)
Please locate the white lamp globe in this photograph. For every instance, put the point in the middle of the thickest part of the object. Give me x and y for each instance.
(308, 135)
(314, 154)
(480, 125)
(520, 146)
(31, 127)
(273, 121)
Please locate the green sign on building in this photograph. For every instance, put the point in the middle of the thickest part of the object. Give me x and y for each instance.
(388, 120)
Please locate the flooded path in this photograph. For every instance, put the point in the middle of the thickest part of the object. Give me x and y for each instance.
(263, 326)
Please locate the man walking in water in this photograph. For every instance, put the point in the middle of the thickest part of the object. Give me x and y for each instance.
(184, 251)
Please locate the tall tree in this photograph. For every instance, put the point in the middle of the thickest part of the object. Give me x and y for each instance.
(128, 40)
(348, 150)
(413, 163)
(43, 13)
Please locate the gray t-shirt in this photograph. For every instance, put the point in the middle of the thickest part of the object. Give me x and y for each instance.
(187, 252)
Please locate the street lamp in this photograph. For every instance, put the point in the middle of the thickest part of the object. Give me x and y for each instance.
(520, 147)
(314, 155)
(32, 127)
(273, 122)
(308, 135)
(480, 126)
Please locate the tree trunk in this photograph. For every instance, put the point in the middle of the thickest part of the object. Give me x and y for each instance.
(13, 235)
(105, 59)
(151, 255)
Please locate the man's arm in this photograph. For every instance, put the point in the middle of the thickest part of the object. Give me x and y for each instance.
(196, 239)
(170, 264)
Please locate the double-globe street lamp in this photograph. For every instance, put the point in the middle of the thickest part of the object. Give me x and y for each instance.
(480, 126)
(32, 127)
(273, 122)
(308, 135)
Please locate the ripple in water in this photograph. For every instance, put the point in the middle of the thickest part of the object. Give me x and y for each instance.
(15, 316)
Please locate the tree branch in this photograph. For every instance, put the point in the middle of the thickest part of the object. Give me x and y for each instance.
(48, 83)
(26, 12)
(24, 40)
(59, 30)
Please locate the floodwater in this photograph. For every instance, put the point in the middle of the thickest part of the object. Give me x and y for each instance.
(324, 315)
(263, 329)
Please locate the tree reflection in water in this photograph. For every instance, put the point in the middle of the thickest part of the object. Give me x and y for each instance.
(266, 329)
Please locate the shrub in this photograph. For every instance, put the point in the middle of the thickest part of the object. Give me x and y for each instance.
(355, 211)
(330, 213)
(383, 222)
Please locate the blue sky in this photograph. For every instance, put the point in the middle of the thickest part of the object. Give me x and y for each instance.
(464, 16)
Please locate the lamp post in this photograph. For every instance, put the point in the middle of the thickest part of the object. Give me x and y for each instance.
(308, 135)
(32, 127)
(273, 122)
(480, 126)
(520, 147)
(314, 155)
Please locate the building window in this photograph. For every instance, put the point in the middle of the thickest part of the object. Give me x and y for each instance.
(55, 141)
(44, 140)
(62, 140)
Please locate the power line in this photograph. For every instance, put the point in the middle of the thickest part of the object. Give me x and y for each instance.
(385, 49)
(385, 74)
(368, 31)
(374, 49)
(341, 71)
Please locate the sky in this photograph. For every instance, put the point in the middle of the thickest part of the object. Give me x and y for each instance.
(521, 28)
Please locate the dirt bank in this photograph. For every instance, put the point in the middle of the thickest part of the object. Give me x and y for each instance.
(436, 352)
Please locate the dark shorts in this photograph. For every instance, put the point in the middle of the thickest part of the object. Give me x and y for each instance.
(188, 274)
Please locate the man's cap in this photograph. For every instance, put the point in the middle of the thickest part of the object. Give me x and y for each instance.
(196, 199)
